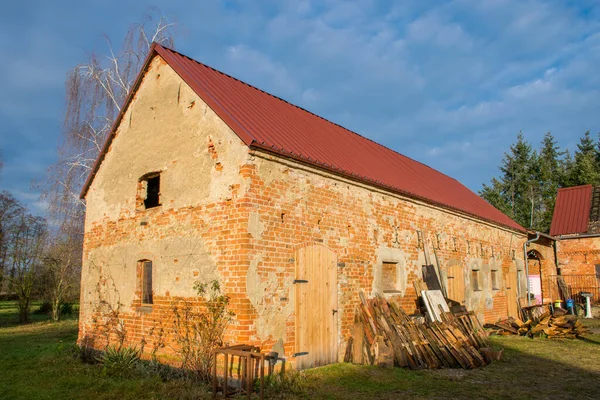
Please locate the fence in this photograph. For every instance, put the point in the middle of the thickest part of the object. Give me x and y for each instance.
(561, 286)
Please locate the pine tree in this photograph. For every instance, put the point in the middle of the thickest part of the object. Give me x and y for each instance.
(586, 169)
(567, 168)
(516, 193)
(549, 180)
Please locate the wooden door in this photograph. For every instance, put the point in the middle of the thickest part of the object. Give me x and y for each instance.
(316, 307)
(456, 283)
(511, 293)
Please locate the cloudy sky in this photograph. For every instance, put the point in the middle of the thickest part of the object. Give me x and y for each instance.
(446, 83)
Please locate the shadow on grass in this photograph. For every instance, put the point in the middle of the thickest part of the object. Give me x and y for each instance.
(587, 340)
(530, 369)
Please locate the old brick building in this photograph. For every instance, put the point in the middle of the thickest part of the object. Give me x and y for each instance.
(576, 227)
(205, 177)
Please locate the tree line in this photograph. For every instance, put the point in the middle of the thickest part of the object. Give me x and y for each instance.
(36, 263)
(529, 179)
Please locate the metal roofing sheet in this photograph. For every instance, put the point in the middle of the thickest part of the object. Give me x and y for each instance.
(572, 210)
(267, 122)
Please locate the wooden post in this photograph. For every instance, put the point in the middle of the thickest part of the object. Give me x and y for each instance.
(249, 375)
(262, 376)
(225, 381)
(215, 376)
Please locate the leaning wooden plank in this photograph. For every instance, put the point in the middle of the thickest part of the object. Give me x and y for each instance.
(452, 345)
(445, 346)
(430, 277)
(433, 343)
(434, 300)
(357, 349)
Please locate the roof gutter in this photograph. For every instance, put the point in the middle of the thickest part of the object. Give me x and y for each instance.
(527, 243)
(585, 235)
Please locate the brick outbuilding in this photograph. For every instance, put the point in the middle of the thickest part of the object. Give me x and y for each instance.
(204, 177)
(576, 227)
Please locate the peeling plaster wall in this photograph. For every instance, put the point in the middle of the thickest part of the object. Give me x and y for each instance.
(167, 128)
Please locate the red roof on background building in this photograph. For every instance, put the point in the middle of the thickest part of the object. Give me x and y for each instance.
(572, 210)
(263, 121)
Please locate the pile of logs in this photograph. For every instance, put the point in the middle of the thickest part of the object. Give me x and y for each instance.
(385, 335)
(554, 326)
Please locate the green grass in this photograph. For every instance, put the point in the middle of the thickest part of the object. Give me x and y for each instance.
(37, 362)
(530, 369)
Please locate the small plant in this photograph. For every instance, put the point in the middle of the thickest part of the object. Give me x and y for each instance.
(119, 362)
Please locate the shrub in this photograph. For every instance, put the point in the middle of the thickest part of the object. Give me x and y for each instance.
(45, 308)
(66, 309)
(199, 330)
(119, 362)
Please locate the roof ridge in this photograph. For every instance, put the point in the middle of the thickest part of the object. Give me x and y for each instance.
(576, 187)
(305, 110)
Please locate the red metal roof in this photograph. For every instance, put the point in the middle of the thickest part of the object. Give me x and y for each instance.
(572, 210)
(263, 121)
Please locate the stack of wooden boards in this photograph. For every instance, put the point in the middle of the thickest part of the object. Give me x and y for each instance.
(554, 326)
(385, 335)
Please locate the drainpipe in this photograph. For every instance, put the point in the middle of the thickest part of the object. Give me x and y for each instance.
(537, 236)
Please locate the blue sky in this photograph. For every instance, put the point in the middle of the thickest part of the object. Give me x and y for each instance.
(446, 83)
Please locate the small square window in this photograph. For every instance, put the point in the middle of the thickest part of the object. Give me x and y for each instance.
(389, 277)
(475, 280)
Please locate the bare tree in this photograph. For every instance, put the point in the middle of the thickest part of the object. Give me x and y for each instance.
(95, 93)
(60, 271)
(25, 246)
(10, 210)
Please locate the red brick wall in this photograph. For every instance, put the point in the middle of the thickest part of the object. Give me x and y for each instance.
(579, 256)
(306, 208)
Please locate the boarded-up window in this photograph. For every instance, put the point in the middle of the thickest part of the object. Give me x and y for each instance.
(475, 280)
(389, 277)
(495, 280)
(598, 271)
(147, 282)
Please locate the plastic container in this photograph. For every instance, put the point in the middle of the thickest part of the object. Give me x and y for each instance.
(557, 304)
(571, 306)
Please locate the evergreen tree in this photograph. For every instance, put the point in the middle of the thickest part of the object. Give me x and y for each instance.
(586, 169)
(567, 168)
(529, 180)
(516, 193)
(549, 178)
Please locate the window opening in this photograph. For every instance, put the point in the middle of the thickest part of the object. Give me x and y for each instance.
(495, 280)
(147, 282)
(152, 192)
(475, 280)
(389, 277)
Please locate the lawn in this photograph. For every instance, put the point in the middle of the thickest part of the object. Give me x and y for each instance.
(37, 362)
